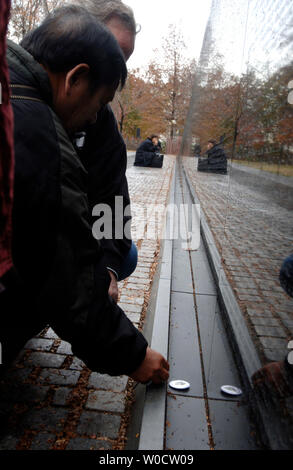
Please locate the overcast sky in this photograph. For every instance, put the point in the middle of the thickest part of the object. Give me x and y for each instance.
(154, 16)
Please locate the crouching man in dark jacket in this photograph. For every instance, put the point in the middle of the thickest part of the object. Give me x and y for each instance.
(147, 153)
(216, 161)
(64, 72)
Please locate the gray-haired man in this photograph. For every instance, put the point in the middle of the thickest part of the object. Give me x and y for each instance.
(104, 155)
(104, 152)
(118, 17)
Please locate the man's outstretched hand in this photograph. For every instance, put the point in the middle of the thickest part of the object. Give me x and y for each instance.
(154, 367)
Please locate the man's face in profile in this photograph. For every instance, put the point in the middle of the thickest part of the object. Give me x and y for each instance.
(76, 101)
(86, 107)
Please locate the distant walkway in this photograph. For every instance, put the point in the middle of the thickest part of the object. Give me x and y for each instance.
(275, 188)
(279, 179)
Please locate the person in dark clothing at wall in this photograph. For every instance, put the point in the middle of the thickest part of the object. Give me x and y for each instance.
(197, 150)
(56, 92)
(216, 160)
(147, 153)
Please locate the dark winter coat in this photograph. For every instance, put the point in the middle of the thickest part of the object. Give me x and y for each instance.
(6, 151)
(105, 158)
(64, 281)
(216, 161)
(145, 153)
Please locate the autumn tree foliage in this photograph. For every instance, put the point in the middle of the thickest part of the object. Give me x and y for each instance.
(140, 104)
(250, 112)
(177, 75)
(217, 107)
(157, 99)
(27, 14)
(275, 113)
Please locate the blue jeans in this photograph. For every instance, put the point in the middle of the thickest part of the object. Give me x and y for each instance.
(129, 264)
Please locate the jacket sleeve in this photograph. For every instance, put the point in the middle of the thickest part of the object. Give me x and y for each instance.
(105, 158)
(111, 343)
(98, 330)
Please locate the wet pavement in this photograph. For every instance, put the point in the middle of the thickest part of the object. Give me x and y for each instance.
(202, 417)
(49, 399)
(250, 215)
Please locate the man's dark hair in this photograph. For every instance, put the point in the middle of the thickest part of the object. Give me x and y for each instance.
(212, 141)
(153, 136)
(70, 36)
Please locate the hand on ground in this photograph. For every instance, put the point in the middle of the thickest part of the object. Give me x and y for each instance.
(154, 367)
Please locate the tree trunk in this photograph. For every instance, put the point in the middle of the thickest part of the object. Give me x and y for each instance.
(121, 121)
(46, 8)
(235, 135)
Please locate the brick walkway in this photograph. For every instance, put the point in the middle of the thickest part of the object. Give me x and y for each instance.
(254, 234)
(53, 400)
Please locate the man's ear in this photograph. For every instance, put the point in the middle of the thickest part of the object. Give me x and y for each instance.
(77, 77)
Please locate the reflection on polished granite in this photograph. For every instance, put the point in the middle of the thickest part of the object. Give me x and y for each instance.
(251, 219)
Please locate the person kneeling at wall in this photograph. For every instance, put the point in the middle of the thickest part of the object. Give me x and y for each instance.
(215, 161)
(147, 153)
